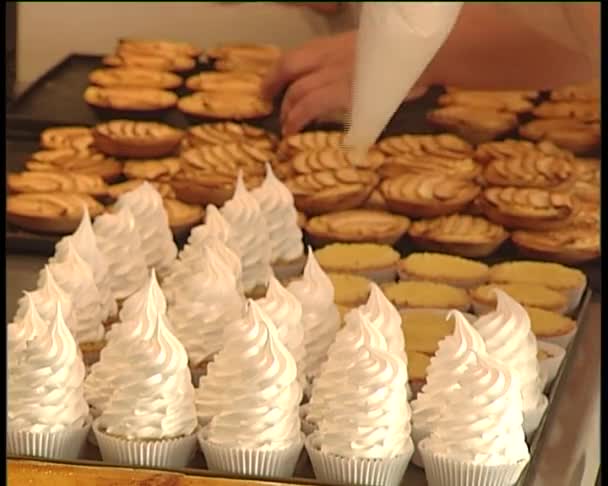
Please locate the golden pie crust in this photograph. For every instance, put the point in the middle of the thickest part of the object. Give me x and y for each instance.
(349, 290)
(586, 111)
(532, 295)
(509, 101)
(419, 294)
(459, 234)
(130, 99)
(569, 246)
(531, 170)
(465, 168)
(136, 139)
(182, 217)
(161, 170)
(339, 190)
(574, 135)
(587, 187)
(134, 78)
(236, 82)
(528, 208)
(427, 196)
(222, 105)
(444, 145)
(109, 170)
(222, 133)
(71, 137)
(508, 149)
(117, 190)
(332, 159)
(151, 62)
(54, 212)
(51, 181)
(357, 226)
(227, 160)
(476, 125)
(309, 141)
(589, 91)
(155, 47)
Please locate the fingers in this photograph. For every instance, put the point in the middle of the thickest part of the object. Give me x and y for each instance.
(291, 66)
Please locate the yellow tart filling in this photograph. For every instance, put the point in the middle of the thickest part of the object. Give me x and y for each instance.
(552, 275)
(356, 256)
(437, 266)
(549, 324)
(531, 295)
(419, 293)
(349, 290)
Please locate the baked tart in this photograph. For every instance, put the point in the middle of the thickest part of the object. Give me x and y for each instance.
(408, 164)
(551, 327)
(51, 181)
(161, 170)
(136, 139)
(240, 65)
(134, 78)
(509, 149)
(309, 141)
(109, 170)
(163, 188)
(476, 125)
(460, 234)
(130, 99)
(245, 51)
(333, 159)
(418, 294)
(222, 105)
(339, 190)
(444, 145)
(585, 111)
(589, 91)
(528, 208)
(357, 225)
(164, 48)
(60, 153)
(71, 137)
(182, 217)
(349, 290)
(508, 101)
(237, 82)
(448, 269)
(373, 261)
(574, 135)
(587, 186)
(50, 212)
(228, 159)
(151, 62)
(531, 295)
(427, 196)
(531, 170)
(222, 133)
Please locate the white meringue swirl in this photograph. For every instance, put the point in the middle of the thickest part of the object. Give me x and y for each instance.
(137, 304)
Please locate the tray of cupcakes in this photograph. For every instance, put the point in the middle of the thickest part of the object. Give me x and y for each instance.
(246, 354)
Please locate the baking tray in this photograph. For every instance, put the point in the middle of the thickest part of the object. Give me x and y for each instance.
(414, 476)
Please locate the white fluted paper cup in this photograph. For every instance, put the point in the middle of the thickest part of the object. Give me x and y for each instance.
(251, 462)
(357, 471)
(172, 453)
(66, 444)
(574, 296)
(418, 435)
(533, 417)
(550, 366)
(95, 413)
(442, 470)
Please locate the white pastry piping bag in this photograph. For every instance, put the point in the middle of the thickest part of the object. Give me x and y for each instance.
(395, 43)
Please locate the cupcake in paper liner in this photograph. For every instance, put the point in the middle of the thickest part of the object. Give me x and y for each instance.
(249, 400)
(150, 419)
(48, 416)
(478, 438)
(360, 410)
(454, 353)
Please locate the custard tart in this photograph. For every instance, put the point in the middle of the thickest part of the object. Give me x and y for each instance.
(223, 105)
(349, 290)
(527, 294)
(449, 269)
(551, 327)
(130, 99)
(418, 294)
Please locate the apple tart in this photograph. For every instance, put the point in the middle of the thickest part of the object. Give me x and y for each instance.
(427, 196)
(182, 217)
(51, 181)
(508, 149)
(585, 111)
(245, 51)
(229, 159)
(50, 212)
(163, 188)
(528, 208)
(309, 141)
(150, 62)
(589, 91)
(333, 159)
(134, 78)
(130, 99)
(240, 65)
(71, 137)
(587, 186)
(109, 170)
(445, 145)
(136, 139)
(458, 234)
(161, 170)
(235, 82)
(163, 48)
(222, 105)
(574, 135)
(357, 226)
(320, 192)
(222, 133)
(507, 101)
(464, 168)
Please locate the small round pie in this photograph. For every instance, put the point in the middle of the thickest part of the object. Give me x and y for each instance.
(570, 134)
(245, 51)
(332, 159)
(444, 145)
(427, 196)
(587, 186)
(130, 99)
(309, 141)
(222, 105)
(418, 294)
(136, 139)
(164, 48)
(228, 159)
(117, 190)
(236, 82)
(109, 170)
(448, 269)
(338, 190)
(408, 164)
(509, 149)
(551, 326)
(222, 133)
(531, 295)
(357, 225)
(182, 217)
(509, 101)
(589, 91)
(161, 170)
(376, 262)
(134, 78)
(151, 62)
(527, 208)
(349, 290)
(585, 111)
(51, 181)
(73, 137)
(570, 246)
(54, 212)
(459, 234)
